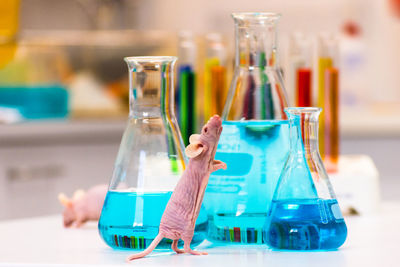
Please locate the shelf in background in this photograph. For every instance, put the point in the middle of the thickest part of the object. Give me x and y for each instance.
(370, 123)
(62, 132)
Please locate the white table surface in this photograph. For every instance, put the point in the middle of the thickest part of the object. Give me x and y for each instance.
(42, 241)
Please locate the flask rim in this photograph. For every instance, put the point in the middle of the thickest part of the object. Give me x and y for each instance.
(259, 18)
(150, 59)
(302, 110)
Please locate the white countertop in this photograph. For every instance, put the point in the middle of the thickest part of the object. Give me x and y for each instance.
(42, 241)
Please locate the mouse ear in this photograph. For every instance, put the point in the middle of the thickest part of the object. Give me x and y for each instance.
(64, 200)
(194, 138)
(78, 194)
(193, 150)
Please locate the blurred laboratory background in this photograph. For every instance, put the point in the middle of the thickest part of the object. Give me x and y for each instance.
(64, 84)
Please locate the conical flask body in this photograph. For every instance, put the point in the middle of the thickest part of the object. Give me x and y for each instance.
(304, 214)
(150, 160)
(254, 140)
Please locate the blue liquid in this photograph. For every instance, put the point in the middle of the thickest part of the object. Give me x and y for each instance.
(238, 199)
(130, 220)
(305, 224)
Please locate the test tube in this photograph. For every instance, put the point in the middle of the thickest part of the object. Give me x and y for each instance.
(186, 89)
(218, 87)
(328, 99)
(295, 61)
(214, 75)
(304, 93)
(9, 18)
(299, 72)
(331, 119)
(304, 73)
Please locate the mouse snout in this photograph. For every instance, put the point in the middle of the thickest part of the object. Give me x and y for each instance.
(215, 121)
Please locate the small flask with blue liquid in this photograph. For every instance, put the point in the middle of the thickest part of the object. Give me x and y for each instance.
(150, 160)
(304, 214)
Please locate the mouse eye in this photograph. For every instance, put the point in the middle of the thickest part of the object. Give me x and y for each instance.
(205, 130)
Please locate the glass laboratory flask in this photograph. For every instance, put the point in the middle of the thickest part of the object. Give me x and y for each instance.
(150, 160)
(305, 214)
(255, 139)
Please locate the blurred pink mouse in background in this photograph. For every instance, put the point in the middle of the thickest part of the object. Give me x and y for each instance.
(84, 206)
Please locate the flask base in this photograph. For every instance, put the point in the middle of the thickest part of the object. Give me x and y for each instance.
(245, 229)
(124, 225)
(311, 224)
(130, 241)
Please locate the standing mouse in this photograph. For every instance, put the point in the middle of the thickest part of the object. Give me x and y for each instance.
(180, 215)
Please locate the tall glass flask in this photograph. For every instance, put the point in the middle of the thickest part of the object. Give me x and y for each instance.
(254, 141)
(150, 160)
(305, 214)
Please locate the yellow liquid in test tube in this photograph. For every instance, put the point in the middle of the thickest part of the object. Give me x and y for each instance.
(331, 119)
(218, 89)
(9, 18)
(323, 64)
(9, 13)
(209, 102)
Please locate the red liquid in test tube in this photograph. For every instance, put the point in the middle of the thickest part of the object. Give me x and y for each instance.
(304, 96)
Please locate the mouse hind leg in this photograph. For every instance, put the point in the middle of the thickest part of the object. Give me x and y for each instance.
(187, 248)
(175, 248)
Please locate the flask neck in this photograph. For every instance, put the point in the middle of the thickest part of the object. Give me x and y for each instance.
(151, 84)
(255, 35)
(303, 124)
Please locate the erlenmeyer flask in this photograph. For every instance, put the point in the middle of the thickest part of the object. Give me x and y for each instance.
(150, 160)
(254, 141)
(305, 214)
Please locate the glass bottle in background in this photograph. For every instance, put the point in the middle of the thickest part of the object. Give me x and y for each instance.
(305, 214)
(186, 89)
(328, 100)
(214, 76)
(254, 141)
(150, 160)
(353, 60)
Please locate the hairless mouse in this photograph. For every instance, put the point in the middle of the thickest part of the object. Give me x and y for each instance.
(180, 215)
(84, 206)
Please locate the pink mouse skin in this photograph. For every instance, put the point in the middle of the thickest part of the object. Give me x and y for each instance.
(180, 215)
(84, 206)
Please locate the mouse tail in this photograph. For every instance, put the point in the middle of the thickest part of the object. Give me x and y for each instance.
(152, 246)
